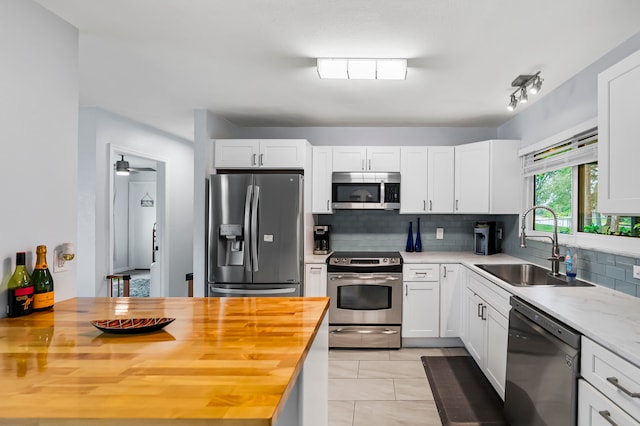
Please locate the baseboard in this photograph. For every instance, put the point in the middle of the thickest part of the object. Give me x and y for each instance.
(431, 342)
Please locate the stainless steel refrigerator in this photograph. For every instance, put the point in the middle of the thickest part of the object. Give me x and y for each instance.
(254, 235)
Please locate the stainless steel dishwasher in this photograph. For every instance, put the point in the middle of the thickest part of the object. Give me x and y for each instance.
(543, 363)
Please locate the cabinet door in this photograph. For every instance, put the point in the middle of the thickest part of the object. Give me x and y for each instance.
(618, 129)
(383, 159)
(315, 280)
(420, 309)
(450, 300)
(496, 337)
(282, 154)
(321, 181)
(474, 327)
(236, 153)
(440, 180)
(413, 172)
(594, 409)
(349, 158)
(472, 181)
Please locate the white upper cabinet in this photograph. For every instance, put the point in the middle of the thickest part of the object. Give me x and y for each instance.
(413, 179)
(488, 177)
(363, 158)
(427, 179)
(440, 181)
(618, 130)
(322, 169)
(263, 153)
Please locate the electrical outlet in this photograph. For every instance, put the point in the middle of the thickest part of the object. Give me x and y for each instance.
(439, 233)
(636, 271)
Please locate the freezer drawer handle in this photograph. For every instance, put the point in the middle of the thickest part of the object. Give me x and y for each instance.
(367, 331)
(607, 416)
(252, 292)
(614, 382)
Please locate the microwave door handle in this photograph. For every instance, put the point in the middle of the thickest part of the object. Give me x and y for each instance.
(254, 227)
(246, 231)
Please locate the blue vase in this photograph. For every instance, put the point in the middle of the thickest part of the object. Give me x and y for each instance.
(418, 239)
(409, 247)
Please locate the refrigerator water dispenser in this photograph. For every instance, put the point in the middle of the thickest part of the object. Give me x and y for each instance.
(232, 244)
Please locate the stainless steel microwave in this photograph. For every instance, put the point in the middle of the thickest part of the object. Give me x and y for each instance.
(362, 190)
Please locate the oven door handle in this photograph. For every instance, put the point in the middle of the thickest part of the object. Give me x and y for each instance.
(364, 277)
(363, 331)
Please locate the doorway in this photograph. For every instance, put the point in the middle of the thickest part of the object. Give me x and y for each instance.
(137, 220)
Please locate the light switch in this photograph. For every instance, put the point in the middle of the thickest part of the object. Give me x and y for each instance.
(439, 233)
(636, 271)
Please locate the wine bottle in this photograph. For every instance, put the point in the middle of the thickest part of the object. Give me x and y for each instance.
(19, 290)
(42, 282)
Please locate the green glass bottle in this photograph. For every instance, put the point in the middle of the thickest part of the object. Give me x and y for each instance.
(19, 290)
(42, 282)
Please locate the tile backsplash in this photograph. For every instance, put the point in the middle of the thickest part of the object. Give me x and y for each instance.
(381, 230)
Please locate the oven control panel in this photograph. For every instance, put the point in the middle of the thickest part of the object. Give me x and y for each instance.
(371, 261)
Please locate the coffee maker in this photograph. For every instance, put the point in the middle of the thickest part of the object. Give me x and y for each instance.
(487, 237)
(321, 239)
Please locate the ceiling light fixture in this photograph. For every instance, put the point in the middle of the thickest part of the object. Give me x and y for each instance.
(122, 167)
(362, 68)
(521, 82)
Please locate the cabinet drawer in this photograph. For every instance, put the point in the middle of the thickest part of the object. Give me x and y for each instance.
(595, 409)
(611, 375)
(490, 292)
(421, 272)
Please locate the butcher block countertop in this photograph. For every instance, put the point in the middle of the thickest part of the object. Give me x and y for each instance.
(223, 361)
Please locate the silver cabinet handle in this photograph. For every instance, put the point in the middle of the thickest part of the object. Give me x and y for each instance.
(362, 165)
(313, 268)
(484, 312)
(253, 161)
(430, 205)
(262, 159)
(607, 416)
(456, 205)
(480, 310)
(444, 272)
(614, 382)
(424, 205)
(327, 205)
(406, 289)
(369, 164)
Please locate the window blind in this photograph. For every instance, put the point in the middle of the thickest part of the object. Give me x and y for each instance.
(579, 149)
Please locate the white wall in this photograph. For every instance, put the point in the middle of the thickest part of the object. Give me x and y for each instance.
(207, 127)
(446, 136)
(99, 129)
(574, 102)
(38, 134)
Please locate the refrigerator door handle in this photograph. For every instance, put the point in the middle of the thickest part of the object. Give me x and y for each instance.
(254, 228)
(246, 230)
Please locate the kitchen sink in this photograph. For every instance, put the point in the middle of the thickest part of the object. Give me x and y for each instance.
(528, 275)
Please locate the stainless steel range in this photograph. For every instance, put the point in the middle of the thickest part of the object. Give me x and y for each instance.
(366, 299)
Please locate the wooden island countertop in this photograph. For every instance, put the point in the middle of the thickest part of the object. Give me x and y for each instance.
(223, 361)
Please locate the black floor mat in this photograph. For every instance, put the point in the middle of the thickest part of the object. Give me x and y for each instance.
(461, 392)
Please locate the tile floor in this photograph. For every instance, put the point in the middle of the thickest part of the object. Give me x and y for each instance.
(382, 387)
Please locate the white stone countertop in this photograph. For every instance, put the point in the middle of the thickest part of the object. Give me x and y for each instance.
(316, 258)
(608, 317)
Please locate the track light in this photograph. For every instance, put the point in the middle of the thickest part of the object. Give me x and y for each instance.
(521, 82)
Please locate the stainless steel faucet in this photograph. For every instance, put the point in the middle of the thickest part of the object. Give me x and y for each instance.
(555, 250)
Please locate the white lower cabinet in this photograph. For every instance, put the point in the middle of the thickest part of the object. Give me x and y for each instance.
(421, 300)
(486, 328)
(451, 299)
(315, 280)
(595, 409)
(609, 388)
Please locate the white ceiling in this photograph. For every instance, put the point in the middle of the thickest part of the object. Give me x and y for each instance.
(253, 61)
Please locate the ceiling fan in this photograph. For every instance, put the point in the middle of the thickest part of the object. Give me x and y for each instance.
(123, 169)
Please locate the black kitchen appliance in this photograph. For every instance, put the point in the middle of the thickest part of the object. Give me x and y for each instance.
(321, 243)
(487, 237)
